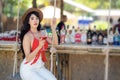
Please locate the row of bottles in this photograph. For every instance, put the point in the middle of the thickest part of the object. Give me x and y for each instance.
(116, 37)
(73, 37)
(94, 37)
(90, 37)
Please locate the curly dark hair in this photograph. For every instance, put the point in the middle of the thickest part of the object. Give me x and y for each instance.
(26, 27)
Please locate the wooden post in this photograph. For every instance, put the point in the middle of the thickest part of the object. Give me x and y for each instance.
(16, 43)
(53, 23)
(70, 65)
(61, 7)
(106, 64)
(34, 4)
(1, 16)
(107, 52)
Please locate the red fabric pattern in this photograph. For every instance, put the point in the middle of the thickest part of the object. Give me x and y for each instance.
(41, 51)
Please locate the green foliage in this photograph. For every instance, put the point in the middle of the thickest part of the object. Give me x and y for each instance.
(69, 8)
(11, 7)
(118, 4)
(94, 4)
(24, 5)
(100, 4)
(8, 9)
(101, 25)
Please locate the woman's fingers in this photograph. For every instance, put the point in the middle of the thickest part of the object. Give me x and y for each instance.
(41, 41)
(53, 50)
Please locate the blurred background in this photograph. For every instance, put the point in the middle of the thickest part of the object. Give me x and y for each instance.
(79, 12)
(90, 22)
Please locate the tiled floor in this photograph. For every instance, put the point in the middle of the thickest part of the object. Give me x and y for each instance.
(16, 77)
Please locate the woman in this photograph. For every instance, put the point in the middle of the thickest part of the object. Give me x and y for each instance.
(32, 44)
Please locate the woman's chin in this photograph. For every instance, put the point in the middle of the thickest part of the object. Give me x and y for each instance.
(35, 26)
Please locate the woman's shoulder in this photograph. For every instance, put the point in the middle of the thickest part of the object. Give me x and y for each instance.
(28, 35)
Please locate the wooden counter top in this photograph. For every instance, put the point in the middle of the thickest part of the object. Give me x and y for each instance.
(88, 49)
(71, 48)
(8, 45)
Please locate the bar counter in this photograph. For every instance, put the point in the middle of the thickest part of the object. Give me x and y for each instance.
(72, 61)
(89, 62)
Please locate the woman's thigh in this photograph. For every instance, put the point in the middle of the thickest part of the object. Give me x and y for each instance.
(46, 74)
(29, 74)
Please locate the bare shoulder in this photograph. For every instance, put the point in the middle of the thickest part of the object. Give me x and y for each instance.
(27, 36)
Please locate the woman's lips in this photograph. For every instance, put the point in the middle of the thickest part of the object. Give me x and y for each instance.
(35, 24)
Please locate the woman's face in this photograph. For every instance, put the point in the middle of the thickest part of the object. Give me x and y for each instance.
(34, 21)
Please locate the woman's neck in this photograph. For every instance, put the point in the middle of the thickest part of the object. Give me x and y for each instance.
(34, 30)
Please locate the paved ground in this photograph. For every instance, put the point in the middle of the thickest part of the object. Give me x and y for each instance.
(16, 77)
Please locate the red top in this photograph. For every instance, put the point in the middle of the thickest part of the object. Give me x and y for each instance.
(40, 52)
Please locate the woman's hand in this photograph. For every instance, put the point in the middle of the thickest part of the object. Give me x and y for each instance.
(53, 50)
(41, 43)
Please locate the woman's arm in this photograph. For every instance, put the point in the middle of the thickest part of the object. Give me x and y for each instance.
(27, 48)
(54, 38)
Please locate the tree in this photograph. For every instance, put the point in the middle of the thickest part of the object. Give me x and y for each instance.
(61, 7)
(115, 4)
(1, 15)
(10, 8)
(94, 4)
(34, 3)
(100, 4)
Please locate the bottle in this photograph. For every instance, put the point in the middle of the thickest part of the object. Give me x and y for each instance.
(110, 37)
(89, 36)
(72, 35)
(105, 39)
(62, 35)
(67, 37)
(58, 34)
(100, 37)
(83, 36)
(94, 36)
(116, 37)
(78, 36)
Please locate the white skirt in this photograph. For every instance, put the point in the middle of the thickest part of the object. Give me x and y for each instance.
(35, 71)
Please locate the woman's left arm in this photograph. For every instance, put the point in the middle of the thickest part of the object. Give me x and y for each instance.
(55, 41)
(54, 37)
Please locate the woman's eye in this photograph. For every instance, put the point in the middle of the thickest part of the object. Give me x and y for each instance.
(32, 18)
(37, 18)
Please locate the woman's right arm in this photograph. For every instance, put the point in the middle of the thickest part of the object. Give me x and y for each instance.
(27, 48)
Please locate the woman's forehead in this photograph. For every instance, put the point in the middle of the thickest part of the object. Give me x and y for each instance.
(33, 15)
